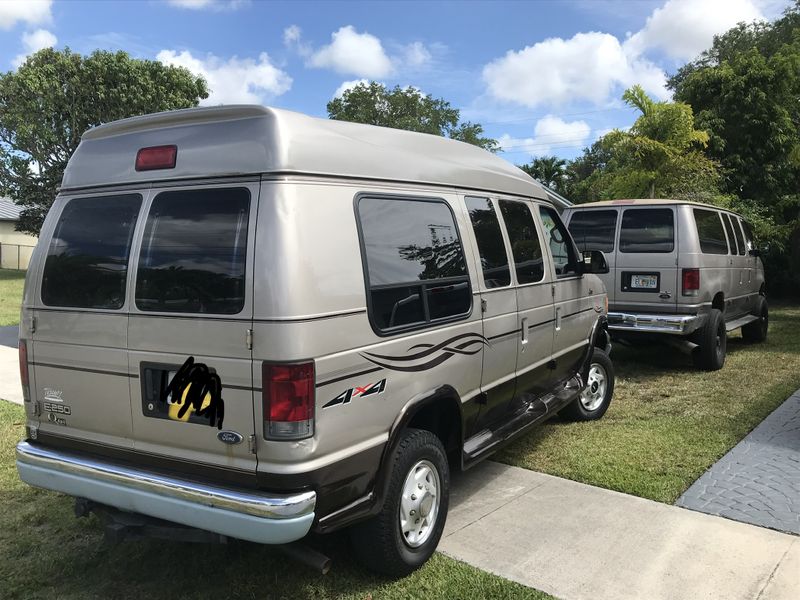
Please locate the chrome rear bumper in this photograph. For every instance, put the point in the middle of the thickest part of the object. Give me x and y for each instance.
(258, 517)
(654, 323)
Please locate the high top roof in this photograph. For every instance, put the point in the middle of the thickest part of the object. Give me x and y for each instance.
(247, 139)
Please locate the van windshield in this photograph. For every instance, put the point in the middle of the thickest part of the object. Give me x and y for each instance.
(647, 230)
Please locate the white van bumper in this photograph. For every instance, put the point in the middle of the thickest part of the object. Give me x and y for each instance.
(262, 518)
(654, 323)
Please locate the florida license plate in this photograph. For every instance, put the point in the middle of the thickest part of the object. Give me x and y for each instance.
(644, 282)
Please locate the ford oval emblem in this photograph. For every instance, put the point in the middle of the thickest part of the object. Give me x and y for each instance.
(230, 437)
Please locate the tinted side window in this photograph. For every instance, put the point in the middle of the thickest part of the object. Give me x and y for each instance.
(710, 232)
(87, 261)
(561, 248)
(416, 272)
(748, 235)
(194, 251)
(494, 260)
(594, 229)
(737, 232)
(729, 232)
(525, 247)
(647, 230)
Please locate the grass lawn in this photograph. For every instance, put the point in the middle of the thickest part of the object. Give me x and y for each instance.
(669, 422)
(10, 296)
(45, 552)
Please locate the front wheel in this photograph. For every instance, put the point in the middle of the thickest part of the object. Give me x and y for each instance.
(407, 530)
(596, 395)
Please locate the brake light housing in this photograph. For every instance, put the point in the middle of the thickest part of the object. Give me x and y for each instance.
(691, 282)
(288, 397)
(24, 375)
(156, 157)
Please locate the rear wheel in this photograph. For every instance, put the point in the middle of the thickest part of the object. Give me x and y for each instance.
(407, 530)
(757, 330)
(712, 339)
(596, 395)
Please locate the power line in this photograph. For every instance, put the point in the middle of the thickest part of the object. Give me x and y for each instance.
(575, 114)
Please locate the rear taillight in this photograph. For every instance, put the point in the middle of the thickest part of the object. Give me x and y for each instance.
(288, 398)
(691, 282)
(156, 157)
(23, 369)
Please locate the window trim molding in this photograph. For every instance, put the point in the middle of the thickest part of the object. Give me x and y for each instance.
(430, 323)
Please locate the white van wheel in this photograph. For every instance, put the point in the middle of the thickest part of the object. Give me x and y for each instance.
(407, 530)
(595, 398)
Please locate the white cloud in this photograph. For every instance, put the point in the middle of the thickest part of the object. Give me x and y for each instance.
(415, 55)
(33, 42)
(348, 85)
(234, 80)
(550, 134)
(293, 39)
(353, 53)
(207, 4)
(32, 12)
(684, 28)
(586, 67)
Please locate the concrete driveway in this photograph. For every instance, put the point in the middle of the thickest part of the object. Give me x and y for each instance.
(10, 387)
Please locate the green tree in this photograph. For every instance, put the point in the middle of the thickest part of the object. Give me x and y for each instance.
(548, 170)
(661, 155)
(47, 104)
(406, 108)
(744, 91)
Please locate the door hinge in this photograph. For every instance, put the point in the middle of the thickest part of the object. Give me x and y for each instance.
(553, 290)
(248, 338)
(552, 365)
(32, 324)
(35, 409)
(251, 443)
(483, 306)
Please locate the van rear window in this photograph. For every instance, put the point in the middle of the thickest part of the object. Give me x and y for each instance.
(710, 232)
(594, 229)
(194, 252)
(87, 260)
(646, 230)
(416, 272)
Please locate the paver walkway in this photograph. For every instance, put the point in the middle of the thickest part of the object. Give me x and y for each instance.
(577, 541)
(758, 481)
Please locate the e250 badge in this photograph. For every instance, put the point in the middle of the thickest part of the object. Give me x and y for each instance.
(372, 389)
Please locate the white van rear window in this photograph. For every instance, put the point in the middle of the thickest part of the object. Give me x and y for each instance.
(646, 230)
(87, 260)
(194, 252)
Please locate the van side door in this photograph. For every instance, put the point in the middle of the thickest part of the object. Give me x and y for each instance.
(498, 299)
(573, 299)
(534, 330)
(737, 291)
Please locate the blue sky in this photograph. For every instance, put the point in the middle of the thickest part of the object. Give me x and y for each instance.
(542, 77)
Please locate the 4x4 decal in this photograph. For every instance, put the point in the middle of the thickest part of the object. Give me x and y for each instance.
(435, 354)
(362, 391)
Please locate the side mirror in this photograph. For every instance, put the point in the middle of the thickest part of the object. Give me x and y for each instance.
(594, 261)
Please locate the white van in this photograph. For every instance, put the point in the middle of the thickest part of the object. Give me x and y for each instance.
(257, 323)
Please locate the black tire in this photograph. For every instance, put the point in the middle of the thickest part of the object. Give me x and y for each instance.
(712, 339)
(379, 543)
(756, 331)
(591, 406)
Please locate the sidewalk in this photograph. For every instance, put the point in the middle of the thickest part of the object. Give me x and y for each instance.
(581, 542)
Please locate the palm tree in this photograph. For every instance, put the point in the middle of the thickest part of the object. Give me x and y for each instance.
(548, 170)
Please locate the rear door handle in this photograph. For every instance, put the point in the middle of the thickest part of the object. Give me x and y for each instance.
(558, 319)
(524, 324)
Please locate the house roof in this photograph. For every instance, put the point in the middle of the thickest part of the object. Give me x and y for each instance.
(8, 210)
(249, 139)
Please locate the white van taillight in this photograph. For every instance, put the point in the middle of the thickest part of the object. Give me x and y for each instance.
(288, 398)
(156, 157)
(23, 369)
(691, 282)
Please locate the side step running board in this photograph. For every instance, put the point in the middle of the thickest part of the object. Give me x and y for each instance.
(741, 321)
